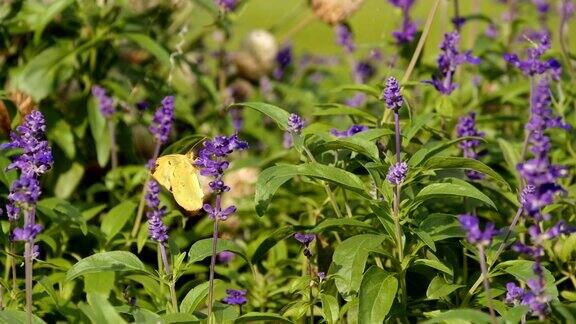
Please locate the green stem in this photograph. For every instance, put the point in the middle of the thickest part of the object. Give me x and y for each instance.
(142, 203)
(329, 191)
(484, 269)
(113, 147)
(28, 279)
(213, 264)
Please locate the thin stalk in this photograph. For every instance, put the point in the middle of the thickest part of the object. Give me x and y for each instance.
(172, 285)
(457, 15)
(13, 267)
(484, 269)
(213, 259)
(417, 52)
(173, 296)
(311, 295)
(303, 23)
(113, 147)
(28, 279)
(329, 192)
(142, 203)
(398, 136)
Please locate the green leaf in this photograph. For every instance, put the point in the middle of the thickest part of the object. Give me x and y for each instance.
(353, 143)
(203, 249)
(341, 110)
(101, 282)
(511, 156)
(439, 288)
(100, 133)
(257, 316)
(62, 212)
(100, 310)
(377, 294)
(349, 261)
(339, 223)
(106, 261)
(417, 125)
(423, 154)
(69, 180)
(441, 226)
(151, 46)
(272, 178)
(268, 243)
(11, 316)
(330, 306)
(446, 162)
(463, 315)
(279, 115)
(61, 134)
(434, 264)
(456, 188)
(47, 15)
(369, 90)
(117, 217)
(195, 296)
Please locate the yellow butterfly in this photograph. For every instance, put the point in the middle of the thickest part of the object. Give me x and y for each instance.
(177, 173)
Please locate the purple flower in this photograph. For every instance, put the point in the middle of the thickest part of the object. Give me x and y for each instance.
(448, 60)
(514, 294)
(304, 238)
(227, 5)
(321, 275)
(156, 228)
(391, 95)
(142, 105)
(533, 64)
(397, 173)
(24, 193)
(295, 124)
(345, 38)
(356, 101)
(363, 71)
(542, 116)
(105, 103)
(491, 31)
(354, 129)
(36, 157)
(28, 233)
(466, 127)
(225, 257)
(542, 5)
(217, 213)
(408, 29)
(237, 119)
(283, 61)
(163, 119)
(474, 234)
(235, 297)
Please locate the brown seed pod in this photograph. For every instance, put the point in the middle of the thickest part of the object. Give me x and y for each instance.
(335, 11)
(257, 54)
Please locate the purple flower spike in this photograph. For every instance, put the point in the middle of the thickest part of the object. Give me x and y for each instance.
(448, 60)
(533, 64)
(28, 233)
(225, 257)
(391, 95)
(345, 38)
(408, 29)
(235, 297)
(105, 103)
(295, 124)
(466, 127)
(156, 228)
(163, 119)
(397, 173)
(514, 294)
(474, 234)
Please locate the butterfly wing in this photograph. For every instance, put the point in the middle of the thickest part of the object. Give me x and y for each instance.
(164, 170)
(186, 185)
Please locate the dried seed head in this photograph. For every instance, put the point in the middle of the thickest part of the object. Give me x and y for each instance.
(5, 119)
(257, 55)
(335, 11)
(23, 102)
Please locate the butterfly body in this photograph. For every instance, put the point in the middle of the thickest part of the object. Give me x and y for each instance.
(177, 173)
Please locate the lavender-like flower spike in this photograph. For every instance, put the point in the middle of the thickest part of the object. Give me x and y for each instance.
(474, 234)
(156, 228)
(408, 29)
(466, 127)
(163, 119)
(105, 103)
(533, 64)
(235, 297)
(448, 60)
(397, 173)
(391, 95)
(345, 38)
(305, 240)
(295, 124)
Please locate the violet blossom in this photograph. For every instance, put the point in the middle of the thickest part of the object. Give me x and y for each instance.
(284, 59)
(105, 103)
(408, 29)
(156, 228)
(163, 119)
(466, 127)
(353, 130)
(235, 297)
(534, 64)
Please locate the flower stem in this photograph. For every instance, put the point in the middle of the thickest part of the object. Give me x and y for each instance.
(417, 52)
(484, 269)
(213, 259)
(311, 295)
(28, 279)
(329, 192)
(142, 203)
(113, 147)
